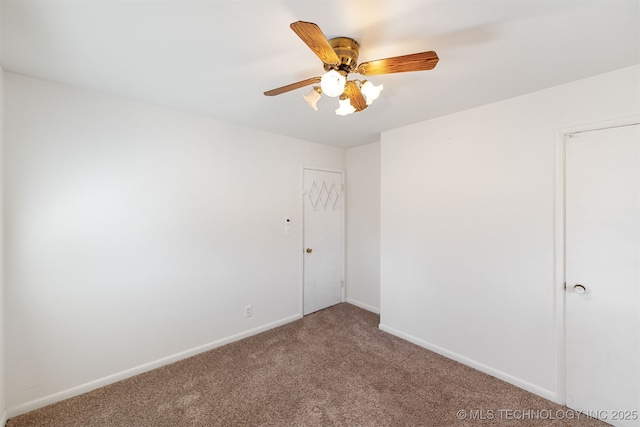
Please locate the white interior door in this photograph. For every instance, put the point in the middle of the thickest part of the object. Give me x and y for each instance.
(603, 274)
(323, 218)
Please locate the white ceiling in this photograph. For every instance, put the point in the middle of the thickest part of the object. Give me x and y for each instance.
(216, 58)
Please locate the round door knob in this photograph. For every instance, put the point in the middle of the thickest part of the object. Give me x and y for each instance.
(579, 289)
(309, 250)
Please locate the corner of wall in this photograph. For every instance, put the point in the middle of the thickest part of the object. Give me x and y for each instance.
(3, 412)
(363, 227)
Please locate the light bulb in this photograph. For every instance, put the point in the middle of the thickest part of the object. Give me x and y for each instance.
(371, 92)
(345, 107)
(332, 83)
(313, 97)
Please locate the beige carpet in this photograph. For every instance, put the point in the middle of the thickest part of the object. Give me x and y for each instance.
(332, 368)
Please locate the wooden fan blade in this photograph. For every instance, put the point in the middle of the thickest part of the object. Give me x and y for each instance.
(355, 96)
(292, 86)
(312, 35)
(400, 64)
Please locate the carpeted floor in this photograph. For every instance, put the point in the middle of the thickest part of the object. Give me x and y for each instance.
(331, 368)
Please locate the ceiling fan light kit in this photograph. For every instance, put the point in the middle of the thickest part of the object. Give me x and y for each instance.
(345, 107)
(370, 91)
(340, 58)
(313, 97)
(332, 83)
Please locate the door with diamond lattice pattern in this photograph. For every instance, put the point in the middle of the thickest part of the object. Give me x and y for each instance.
(323, 222)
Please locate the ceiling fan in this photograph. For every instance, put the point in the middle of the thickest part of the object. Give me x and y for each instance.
(340, 58)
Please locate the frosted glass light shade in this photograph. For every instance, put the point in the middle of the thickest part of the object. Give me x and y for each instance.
(345, 107)
(312, 98)
(371, 92)
(332, 83)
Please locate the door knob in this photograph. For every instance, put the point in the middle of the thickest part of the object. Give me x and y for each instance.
(309, 250)
(579, 289)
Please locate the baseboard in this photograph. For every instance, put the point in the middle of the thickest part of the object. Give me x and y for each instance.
(110, 379)
(363, 305)
(4, 419)
(547, 394)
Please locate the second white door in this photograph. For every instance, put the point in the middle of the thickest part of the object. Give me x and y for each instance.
(323, 222)
(603, 274)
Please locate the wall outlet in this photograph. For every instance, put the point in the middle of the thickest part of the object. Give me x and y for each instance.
(248, 311)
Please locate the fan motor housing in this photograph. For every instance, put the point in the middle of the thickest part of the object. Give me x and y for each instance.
(347, 50)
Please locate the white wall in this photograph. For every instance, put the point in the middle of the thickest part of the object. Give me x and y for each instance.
(3, 415)
(135, 235)
(467, 226)
(363, 230)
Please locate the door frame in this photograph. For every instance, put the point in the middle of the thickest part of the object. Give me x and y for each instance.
(559, 295)
(342, 232)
